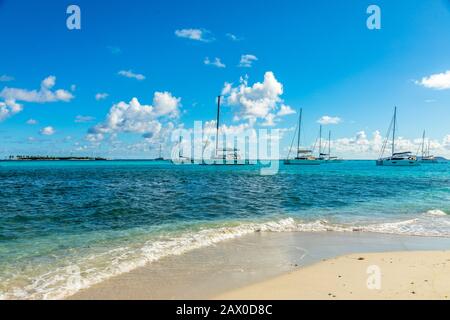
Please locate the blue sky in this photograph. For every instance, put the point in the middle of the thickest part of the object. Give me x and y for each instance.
(321, 53)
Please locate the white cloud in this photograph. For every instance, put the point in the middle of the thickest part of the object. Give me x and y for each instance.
(94, 137)
(101, 96)
(9, 108)
(247, 60)
(47, 131)
(439, 81)
(217, 63)
(329, 120)
(269, 120)
(32, 122)
(194, 34)
(134, 117)
(43, 95)
(285, 111)
(259, 101)
(84, 119)
(6, 78)
(233, 37)
(130, 74)
(361, 146)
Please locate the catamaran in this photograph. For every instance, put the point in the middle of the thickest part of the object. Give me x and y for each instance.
(303, 156)
(397, 158)
(224, 156)
(426, 156)
(160, 158)
(331, 158)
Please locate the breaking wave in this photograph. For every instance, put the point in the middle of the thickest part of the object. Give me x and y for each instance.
(65, 281)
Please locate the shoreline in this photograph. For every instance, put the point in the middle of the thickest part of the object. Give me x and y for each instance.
(232, 269)
(364, 276)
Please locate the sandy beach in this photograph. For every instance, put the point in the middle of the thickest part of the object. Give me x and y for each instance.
(367, 276)
(292, 265)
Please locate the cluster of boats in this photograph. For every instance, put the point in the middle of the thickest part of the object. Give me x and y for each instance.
(311, 156)
(306, 156)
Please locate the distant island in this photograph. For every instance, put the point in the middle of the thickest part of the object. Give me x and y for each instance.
(53, 158)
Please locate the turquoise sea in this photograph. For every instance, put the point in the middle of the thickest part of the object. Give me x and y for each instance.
(60, 220)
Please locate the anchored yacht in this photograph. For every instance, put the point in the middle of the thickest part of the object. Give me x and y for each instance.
(397, 158)
(426, 156)
(303, 156)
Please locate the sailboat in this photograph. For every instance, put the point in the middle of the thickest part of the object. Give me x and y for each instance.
(224, 156)
(303, 156)
(331, 158)
(160, 158)
(181, 159)
(322, 156)
(426, 156)
(396, 158)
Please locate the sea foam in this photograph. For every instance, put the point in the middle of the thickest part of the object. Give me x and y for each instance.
(59, 283)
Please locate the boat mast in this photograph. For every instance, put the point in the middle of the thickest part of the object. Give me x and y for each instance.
(217, 123)
(160, 151)
(329, 144)
(320, 140)
(299, 131)
(393, 131)
(423, 143)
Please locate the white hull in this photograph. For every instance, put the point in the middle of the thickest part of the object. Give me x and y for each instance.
(302, 162)
(225, 163)
(335, 161)
(398, 163)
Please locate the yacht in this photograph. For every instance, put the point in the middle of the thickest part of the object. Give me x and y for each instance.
(160, 157)
(330, 158)
(303, 156)
(224, 156)
(426, 156)
(397, 158)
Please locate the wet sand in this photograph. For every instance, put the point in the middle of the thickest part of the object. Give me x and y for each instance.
(232, 269)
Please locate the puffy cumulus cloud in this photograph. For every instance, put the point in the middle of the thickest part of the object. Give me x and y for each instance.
(43, 95)
(262, 100)
(32, 121)
(329, 120)
(134, 117)
(195, 34)
(130, 74)
(285, 111)
(47, 131)
(101, 96)
(9, 108)
(439, 81)
(247, 60)
(360, 143)
(216, 62)
(166, 104)
(270, 120)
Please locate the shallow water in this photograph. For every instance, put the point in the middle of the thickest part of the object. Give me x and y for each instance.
(105, 218)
